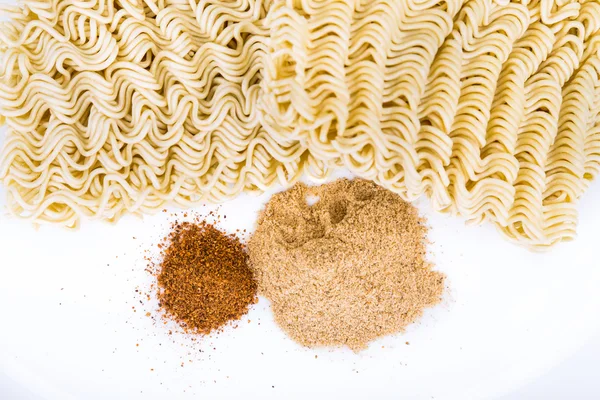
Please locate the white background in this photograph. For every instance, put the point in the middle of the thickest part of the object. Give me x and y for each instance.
(576, 378)
(508, 317)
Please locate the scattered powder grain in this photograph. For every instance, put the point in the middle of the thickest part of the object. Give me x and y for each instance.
(204, 279)
(347, 269)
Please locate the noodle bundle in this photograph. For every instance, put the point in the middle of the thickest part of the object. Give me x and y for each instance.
(491, 108)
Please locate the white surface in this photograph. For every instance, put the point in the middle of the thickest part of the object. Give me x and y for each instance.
(576, 378)
(69, 330)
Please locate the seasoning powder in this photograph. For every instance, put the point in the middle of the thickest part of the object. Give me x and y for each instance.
(347, 269)
(204, 279)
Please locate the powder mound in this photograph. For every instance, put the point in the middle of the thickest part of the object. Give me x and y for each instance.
(204, 279)
(347, 269)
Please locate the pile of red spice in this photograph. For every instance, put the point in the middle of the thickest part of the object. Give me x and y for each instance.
(204, 280)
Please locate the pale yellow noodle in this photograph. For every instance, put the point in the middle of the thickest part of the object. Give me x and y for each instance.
(489, 107)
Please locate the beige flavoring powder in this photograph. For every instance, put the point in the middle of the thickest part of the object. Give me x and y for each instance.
(346, 270)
